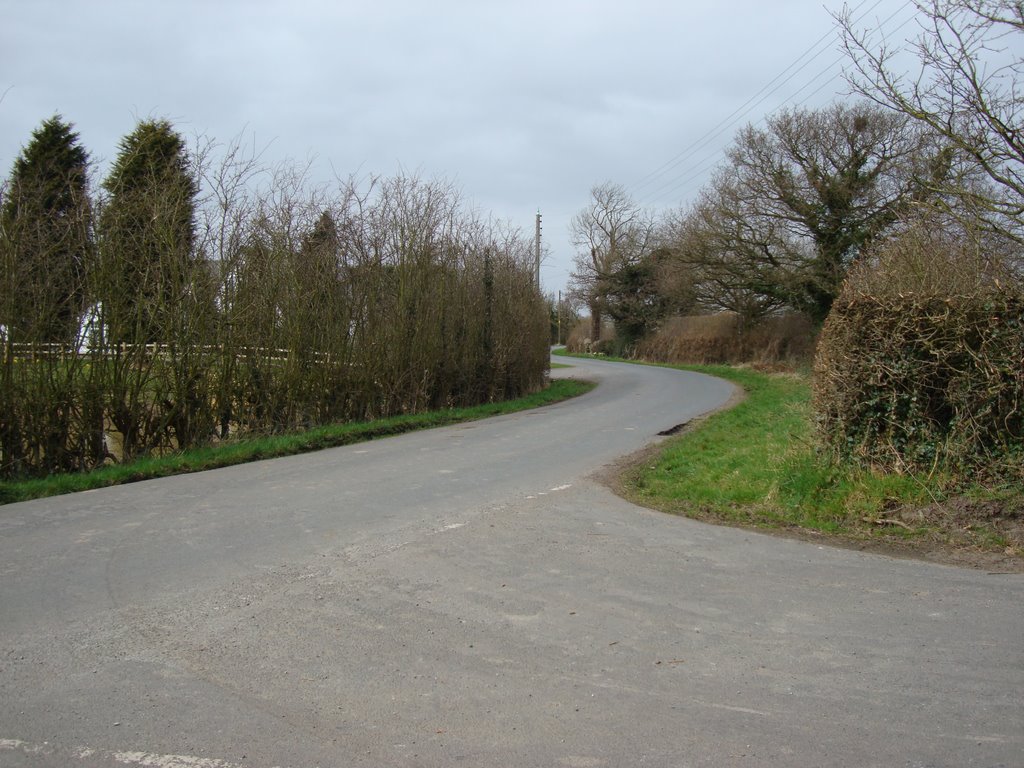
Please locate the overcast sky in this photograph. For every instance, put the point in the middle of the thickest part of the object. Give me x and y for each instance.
(524, 105)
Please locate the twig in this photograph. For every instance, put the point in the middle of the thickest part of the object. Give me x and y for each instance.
(887, 521)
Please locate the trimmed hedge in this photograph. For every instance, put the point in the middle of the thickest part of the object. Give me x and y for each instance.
(721, 338)
(914, 382)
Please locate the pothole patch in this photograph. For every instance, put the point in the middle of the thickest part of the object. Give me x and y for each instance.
(673, 430)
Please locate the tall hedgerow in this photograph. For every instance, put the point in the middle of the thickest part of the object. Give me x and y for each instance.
(920, 364)
(230, 299)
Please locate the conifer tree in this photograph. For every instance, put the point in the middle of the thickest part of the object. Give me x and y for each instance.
(45, 237)
(147, 234)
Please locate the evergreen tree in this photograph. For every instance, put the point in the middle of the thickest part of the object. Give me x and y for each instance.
(147, 235)
(635, 300)
(45, 237)
(320, 291)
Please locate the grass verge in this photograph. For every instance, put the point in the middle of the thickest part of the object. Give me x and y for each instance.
(756, 465)
(241, 451)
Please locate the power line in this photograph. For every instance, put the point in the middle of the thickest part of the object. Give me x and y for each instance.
(710, 161)
(752, 101)
(689, 174)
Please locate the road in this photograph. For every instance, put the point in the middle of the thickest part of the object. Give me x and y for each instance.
(473, 596)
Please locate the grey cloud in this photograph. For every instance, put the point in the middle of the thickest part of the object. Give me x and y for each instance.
(523, 105)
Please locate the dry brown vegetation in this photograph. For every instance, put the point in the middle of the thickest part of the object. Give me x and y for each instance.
(722, 338)
(921, 363)
(282, 306)
(785, 340)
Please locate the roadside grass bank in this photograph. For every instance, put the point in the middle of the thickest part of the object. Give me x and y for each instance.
(756, 465)
(273, 446)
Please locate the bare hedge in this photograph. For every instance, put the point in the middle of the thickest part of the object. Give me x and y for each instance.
(914, 382)
(920, 364)
(722, 338)
(299, 308)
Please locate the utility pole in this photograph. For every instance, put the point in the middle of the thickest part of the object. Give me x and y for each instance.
(559, 317)
(536, 245)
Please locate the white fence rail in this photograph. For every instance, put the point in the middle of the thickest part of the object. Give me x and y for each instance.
(33, 352)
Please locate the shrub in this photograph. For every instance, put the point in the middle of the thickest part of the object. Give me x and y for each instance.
(579, 338)
(721, 338)
(293, 309)
(921, 362)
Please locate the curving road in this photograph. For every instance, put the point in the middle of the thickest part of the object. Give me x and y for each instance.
(467, 596)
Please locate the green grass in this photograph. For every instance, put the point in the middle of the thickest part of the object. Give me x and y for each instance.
(238, 452)
(757, 465)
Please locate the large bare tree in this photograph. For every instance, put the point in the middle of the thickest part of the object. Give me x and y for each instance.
(733, 259)
(611, 232)
(798, 201)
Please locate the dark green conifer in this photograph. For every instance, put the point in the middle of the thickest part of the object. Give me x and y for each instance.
(45, 237)
(147, 234)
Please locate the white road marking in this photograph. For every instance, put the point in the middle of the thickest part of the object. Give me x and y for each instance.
(138, 759)
(744, 710)
(150, 760)
(10, 744)
(561, 487)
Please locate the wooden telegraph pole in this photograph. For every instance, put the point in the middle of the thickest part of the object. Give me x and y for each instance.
(559, 317)
(536, 245)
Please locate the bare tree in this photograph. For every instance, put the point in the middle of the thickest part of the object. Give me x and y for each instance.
(279, 306)
(609, 233)
(799, 200)
(965, 87)
(734, 259)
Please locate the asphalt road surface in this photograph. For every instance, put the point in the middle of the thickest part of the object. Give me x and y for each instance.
(472, 596)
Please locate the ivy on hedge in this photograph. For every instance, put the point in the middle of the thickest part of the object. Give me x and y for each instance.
(912, 382)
